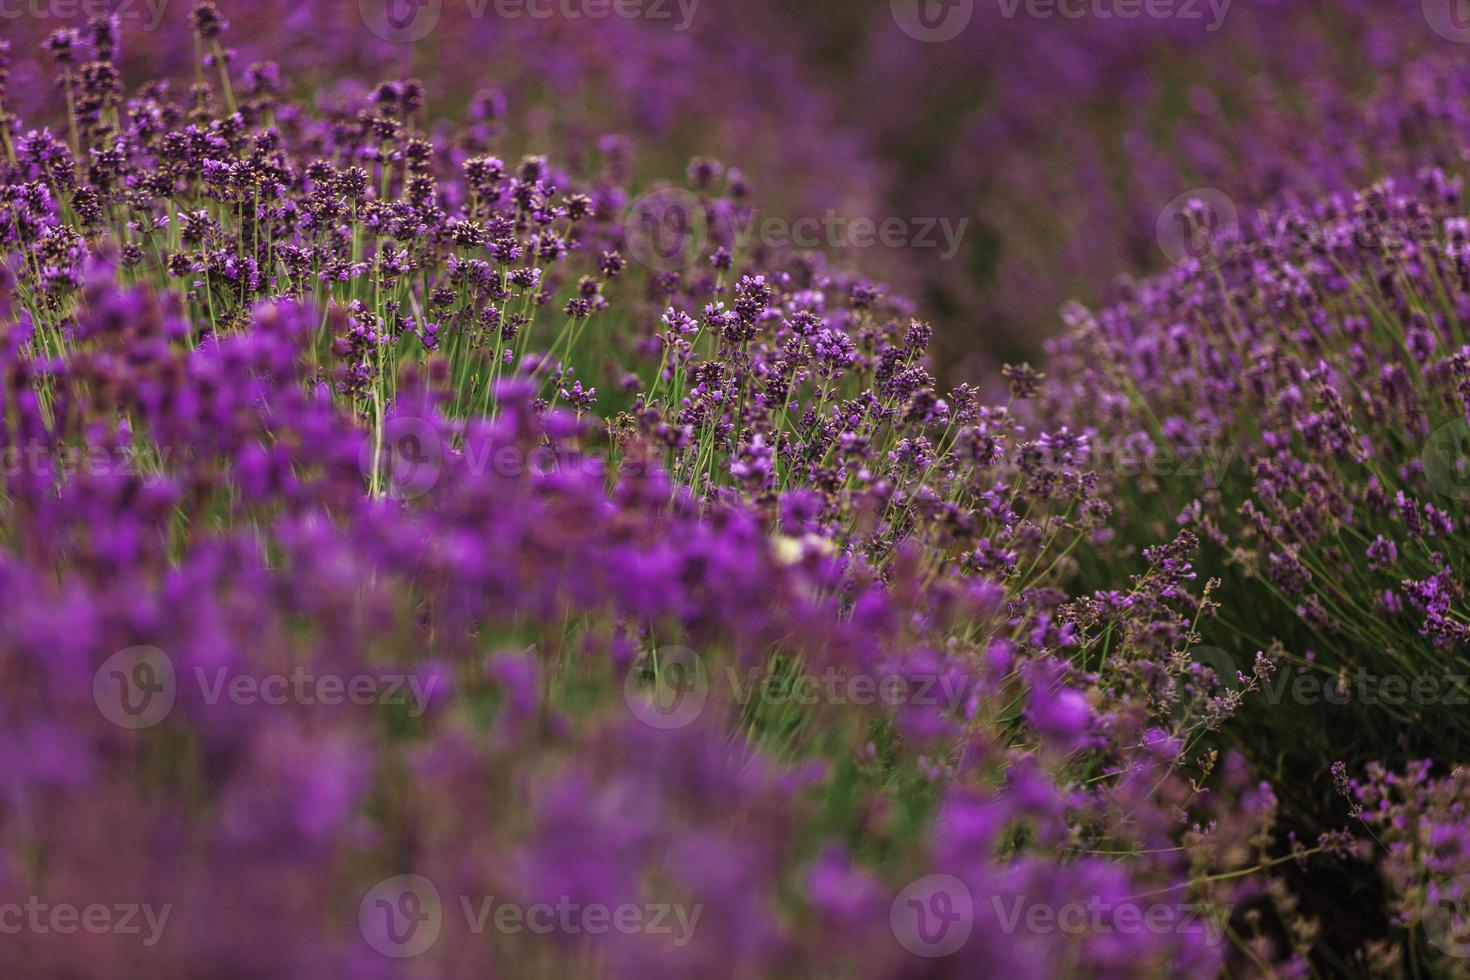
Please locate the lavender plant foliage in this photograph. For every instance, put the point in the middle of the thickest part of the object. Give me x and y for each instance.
(1065, 130)
(1302, 409)
(391, 539)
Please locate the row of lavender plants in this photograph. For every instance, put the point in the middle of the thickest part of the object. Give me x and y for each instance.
(425, 559)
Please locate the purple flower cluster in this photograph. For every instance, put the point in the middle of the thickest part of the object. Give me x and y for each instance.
(1066, 129)
(1325, 370)
(429, 557)
(404, 573)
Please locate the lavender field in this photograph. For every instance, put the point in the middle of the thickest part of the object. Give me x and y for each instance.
(734, 489)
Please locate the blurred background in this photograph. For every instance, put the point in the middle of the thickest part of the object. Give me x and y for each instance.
(1022, 152)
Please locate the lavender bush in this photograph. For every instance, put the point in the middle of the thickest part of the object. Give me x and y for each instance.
(436, 544)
